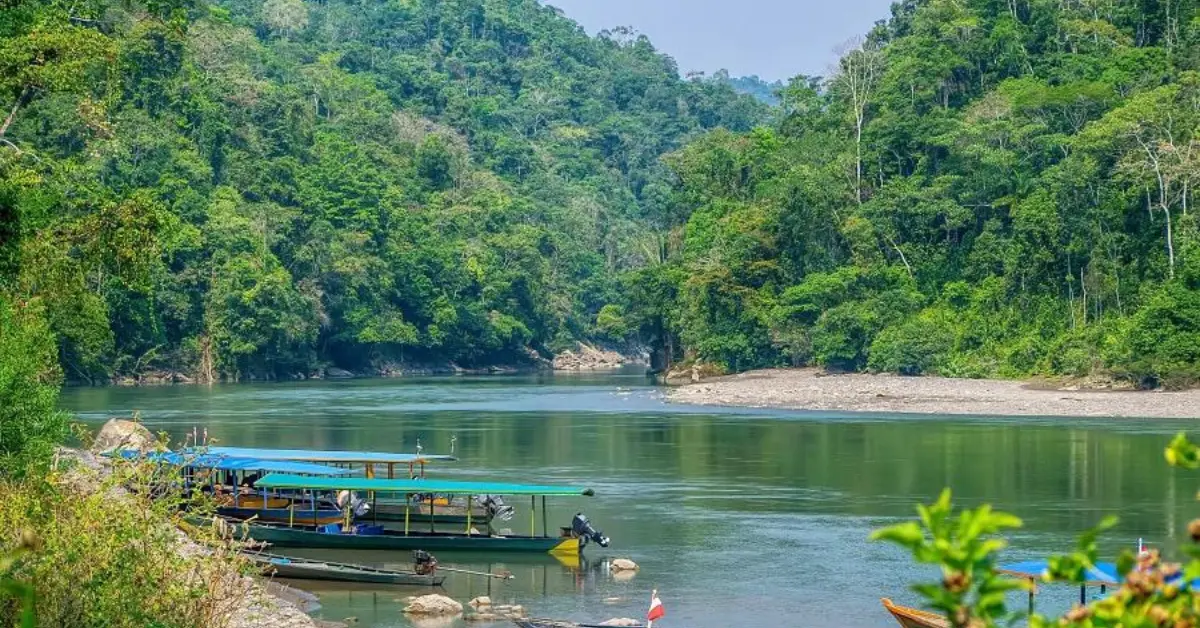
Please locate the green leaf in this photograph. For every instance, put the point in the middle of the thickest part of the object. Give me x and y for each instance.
(907, 534)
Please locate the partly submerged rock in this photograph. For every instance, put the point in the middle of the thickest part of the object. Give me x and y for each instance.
(621, 621)
(623, 564)
(482, 600)
(125, 434)
(336, 373)
(433, 604)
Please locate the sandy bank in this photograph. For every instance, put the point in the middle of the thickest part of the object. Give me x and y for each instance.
(808, 389)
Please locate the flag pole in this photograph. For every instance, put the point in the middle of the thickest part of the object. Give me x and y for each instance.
(653, 596)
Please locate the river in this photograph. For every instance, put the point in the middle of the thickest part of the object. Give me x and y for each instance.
(737, 517)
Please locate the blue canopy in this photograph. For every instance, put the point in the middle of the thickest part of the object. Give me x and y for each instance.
(1101, 573)
(231, 463)
(318, 455)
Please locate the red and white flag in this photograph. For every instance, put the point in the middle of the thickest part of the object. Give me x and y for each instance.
(656, 609)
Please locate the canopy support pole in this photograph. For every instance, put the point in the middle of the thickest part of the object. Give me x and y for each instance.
(431, 512)
(407, 506)
(1083, 594)
(545, 522)
(468, 515)
(1032, 592)
(391, 470)
(533, 515)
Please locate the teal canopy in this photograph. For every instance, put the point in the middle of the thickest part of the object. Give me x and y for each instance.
(439, 487)
(327, 457)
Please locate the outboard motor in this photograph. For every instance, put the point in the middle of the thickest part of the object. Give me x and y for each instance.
(496, 507)
(583, 529)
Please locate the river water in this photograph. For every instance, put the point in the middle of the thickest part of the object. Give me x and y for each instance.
(737, 517)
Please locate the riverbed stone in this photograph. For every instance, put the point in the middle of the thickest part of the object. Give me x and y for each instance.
(482, 600)
(623, 564)
(125, 434)
(434, 604)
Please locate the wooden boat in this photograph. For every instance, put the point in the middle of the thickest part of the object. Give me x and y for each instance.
(367, 537)
(374, 537)
(914, 618)
(553, 623)
(305, 569)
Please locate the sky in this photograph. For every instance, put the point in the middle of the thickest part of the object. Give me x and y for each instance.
(775, 39)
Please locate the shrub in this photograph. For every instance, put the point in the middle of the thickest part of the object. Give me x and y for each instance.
(917, 346)
(108, 555)
(30, 422)
(971, 593)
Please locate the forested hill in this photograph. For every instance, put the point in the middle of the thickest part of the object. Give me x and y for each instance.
(984, 188)
(242, 188)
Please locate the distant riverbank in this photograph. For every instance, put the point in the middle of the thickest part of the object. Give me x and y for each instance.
(810, 389)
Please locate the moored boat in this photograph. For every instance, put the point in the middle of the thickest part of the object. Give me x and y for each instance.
(554, 623)
(570, 540)
(306, 569)
(367, 537)
(914, 618)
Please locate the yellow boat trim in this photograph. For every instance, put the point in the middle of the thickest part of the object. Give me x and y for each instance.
(568, 546)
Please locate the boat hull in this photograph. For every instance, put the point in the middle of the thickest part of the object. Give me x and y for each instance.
(914, 618)
(300, 569)
(308, 537)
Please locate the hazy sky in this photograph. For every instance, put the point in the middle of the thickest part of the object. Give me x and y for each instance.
(775, 39)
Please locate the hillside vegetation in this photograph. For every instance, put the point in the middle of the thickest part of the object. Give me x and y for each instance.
(261, 189)
(984, 188)
(243, 189)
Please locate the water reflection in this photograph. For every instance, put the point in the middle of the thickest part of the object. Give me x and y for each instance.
(725, 510)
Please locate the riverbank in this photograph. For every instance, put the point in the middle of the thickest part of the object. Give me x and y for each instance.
(811, 389)
(90, 493)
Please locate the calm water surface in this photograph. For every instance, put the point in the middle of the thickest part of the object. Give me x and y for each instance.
(738, 517)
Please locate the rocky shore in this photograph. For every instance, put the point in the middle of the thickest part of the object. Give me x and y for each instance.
(252, 603)
(811, 389)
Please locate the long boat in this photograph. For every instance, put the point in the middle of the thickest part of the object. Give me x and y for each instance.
(914, 618)
(554, 623)
(372, 464)
(571, 540)
(306, 569)
(232, 498)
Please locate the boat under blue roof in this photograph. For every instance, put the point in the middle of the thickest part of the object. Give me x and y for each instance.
(222, 462)
(327, 456)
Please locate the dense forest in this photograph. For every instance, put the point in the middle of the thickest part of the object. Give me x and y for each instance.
(983, 188)
(262, 189)
(236, 188)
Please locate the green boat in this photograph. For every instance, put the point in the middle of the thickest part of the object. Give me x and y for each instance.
(307, 569)
(569, 540)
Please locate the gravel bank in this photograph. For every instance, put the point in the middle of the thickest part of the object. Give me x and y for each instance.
(809, 389)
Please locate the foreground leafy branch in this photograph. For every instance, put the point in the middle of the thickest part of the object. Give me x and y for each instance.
(965, 544)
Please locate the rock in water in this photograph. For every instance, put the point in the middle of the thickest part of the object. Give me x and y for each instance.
(124, 434)
(336, 373)
(433, 604)
(621, 621)
(623, 564)
(482, 600)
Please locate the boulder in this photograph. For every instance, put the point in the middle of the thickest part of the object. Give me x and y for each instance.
(623, 564)
(481, 617)
(124, 434)
(482, 600)
(334, 372)
(621, 621)
(433, 604)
